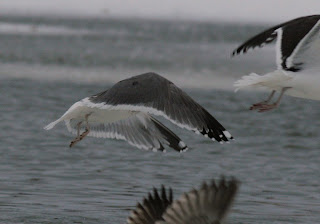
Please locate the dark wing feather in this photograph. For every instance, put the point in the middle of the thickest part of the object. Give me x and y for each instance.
(152, 207)
(293, 35)
(152, 91)
(269, 35)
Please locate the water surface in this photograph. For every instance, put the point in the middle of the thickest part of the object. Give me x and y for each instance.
(48, 64)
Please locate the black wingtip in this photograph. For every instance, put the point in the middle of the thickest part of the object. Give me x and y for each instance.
(173, 140)
(235, 53)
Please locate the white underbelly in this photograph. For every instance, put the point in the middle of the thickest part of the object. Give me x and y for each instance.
(305, 86)
(103, 116)
(97, 115)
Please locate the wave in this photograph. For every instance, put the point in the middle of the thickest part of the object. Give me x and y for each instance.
(38, 29)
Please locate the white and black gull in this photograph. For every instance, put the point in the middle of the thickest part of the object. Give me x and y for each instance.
(297, 57)
(125, 112)
(207, 205)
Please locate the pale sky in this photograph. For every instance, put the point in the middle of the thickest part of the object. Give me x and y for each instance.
(210, 10)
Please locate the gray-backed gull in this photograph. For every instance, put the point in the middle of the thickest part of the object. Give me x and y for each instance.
(124, 112)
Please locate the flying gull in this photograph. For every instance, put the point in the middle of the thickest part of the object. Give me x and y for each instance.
(297, 57)
(125, 112)
(207, 205)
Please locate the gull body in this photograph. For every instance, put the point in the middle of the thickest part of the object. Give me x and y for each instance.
(297, 57)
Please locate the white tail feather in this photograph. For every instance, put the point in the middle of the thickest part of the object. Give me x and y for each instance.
(271, 80)
(247, 80)
(52, 124)
(75, 108)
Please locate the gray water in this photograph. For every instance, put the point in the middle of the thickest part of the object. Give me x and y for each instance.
(48, 64)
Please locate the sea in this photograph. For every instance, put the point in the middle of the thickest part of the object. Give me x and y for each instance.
(48, 63)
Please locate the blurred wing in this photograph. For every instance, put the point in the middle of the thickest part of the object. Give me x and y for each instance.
(140, 130)
(207, 205)
(152, 207)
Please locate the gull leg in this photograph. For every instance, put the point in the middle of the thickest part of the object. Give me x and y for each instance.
(268, 107)
(265, 102)
(84, 134)
(74, 141)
